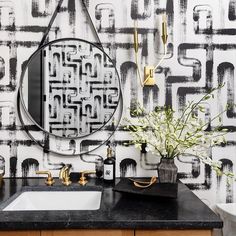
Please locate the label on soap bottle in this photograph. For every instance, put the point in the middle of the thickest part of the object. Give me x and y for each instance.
(108, 172)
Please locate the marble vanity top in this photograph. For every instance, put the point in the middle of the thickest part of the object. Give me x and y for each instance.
(116, 211)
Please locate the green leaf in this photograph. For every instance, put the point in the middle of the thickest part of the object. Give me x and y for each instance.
(207, 97)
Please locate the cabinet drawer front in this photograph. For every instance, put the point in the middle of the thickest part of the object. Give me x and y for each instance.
(20, 233)
(86, 232)
(173, 232)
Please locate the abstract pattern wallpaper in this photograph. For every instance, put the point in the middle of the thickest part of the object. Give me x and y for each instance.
(89, 89)
(74, 92)
(201, 54)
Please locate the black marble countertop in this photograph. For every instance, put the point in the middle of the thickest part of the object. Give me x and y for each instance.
(117, 211)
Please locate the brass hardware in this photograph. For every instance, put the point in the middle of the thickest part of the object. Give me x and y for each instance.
(164, 35)
(149, 70)
(136, 52)
(144, 184)
(149, 76)
(82, 180)
(64, 175)
(135, 38)
(49, 181)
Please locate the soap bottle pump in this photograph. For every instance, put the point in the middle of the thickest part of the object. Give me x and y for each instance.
(109, 172)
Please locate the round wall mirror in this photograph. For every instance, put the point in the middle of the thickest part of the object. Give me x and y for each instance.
(70, 88)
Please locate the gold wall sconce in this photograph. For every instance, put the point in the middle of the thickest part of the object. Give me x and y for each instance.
(149, 70)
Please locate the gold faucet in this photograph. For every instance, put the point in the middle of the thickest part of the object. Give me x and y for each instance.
(64, 175)
(49, 181)
(82, 180)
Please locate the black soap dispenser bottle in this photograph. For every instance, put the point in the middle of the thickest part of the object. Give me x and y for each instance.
(109, 172)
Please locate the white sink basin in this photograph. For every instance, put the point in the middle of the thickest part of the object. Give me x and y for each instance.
(55, 200)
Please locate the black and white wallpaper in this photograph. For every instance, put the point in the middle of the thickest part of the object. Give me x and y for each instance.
(201, 54)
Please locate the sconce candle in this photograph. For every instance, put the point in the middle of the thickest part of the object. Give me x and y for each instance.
(164, 29)
(136, 52)
(135, 37)
(149, 70)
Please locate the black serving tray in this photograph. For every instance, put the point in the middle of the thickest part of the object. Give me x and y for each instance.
(168, 190)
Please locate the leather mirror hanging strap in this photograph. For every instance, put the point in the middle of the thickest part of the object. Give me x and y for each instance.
(57, 10)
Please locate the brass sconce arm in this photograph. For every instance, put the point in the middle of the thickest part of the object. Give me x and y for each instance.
(136, 53)
(49, 180)
(150, 70)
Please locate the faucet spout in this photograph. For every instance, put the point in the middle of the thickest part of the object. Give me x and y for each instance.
(64, 174)
(49, 181)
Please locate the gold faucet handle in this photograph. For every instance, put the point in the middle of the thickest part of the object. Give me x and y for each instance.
(66, 181)
(49, 181)
(83, 180)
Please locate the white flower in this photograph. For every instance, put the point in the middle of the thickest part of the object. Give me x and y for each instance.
(168, 134)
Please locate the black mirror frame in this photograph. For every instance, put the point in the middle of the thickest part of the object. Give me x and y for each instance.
(21, 103)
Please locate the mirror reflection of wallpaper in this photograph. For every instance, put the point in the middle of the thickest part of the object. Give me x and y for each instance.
(81, 89)
(201, 53)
